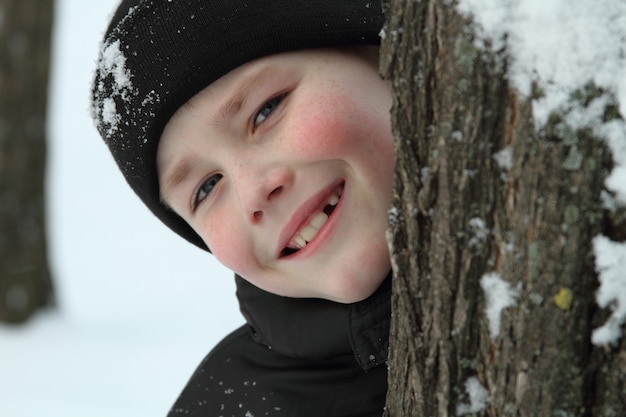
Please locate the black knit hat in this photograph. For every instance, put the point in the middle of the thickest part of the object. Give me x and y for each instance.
(157, 54)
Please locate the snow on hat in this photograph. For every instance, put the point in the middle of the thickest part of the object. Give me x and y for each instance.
(157, 54)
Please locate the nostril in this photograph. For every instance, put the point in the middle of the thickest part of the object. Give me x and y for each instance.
(257, 215)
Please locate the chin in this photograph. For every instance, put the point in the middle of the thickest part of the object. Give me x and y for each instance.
(353, 290)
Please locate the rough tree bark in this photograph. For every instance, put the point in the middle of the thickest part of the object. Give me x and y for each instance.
(25, 32)
(458, 215)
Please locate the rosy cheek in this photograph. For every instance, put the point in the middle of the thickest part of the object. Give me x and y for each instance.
(225, 244)
(316, 133)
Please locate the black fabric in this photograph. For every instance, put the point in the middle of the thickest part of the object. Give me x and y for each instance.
(320, 360)
(157, 54)
(368, 324)
(275, 320)
(331, 328)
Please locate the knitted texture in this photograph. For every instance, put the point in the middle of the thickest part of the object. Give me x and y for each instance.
(157, 54)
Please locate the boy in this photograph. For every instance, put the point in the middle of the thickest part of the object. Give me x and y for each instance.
(260, 131)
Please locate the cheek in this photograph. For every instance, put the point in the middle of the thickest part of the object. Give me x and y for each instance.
(313, 133)
(341, 129)
(364, 140)
(226, 243)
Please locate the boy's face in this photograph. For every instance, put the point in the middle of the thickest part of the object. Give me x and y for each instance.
(285, 150)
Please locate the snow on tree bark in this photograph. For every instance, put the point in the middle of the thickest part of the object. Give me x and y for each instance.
(482, 191)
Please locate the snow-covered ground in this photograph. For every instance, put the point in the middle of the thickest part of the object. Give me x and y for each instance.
(138, 307)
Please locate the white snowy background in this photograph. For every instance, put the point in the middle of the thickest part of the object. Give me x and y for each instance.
(138, 306)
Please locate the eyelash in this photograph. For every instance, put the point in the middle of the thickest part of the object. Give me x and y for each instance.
(266, 110)
(202, 191)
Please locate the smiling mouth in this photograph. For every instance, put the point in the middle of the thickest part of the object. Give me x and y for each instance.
(309, 231)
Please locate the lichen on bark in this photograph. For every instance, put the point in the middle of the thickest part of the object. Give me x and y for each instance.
(539, 211)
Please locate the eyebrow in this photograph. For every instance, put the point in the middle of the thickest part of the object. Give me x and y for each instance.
(239, 97)
(175, 177)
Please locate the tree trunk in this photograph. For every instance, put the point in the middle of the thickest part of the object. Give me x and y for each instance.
(482, 197)
(25, 32)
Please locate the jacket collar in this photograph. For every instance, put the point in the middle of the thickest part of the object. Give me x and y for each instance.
(319, 329)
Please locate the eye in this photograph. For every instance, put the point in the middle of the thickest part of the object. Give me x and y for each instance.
(205, 189)
(266, 110)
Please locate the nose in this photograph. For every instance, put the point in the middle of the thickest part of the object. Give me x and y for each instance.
(260, 189)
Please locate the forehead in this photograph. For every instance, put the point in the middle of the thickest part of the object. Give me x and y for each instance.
(255, 73)
(230, 92)
(258, 72)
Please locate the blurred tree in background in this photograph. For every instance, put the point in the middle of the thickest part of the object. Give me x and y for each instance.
(25, 39)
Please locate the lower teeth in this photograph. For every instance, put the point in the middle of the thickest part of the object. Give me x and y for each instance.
(328, 210)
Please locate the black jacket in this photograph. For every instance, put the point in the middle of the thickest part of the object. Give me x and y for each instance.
(295, 358)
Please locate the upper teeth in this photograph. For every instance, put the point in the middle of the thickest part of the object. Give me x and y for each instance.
(308, 232)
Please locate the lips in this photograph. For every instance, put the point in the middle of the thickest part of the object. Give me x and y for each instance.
(308, 230)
